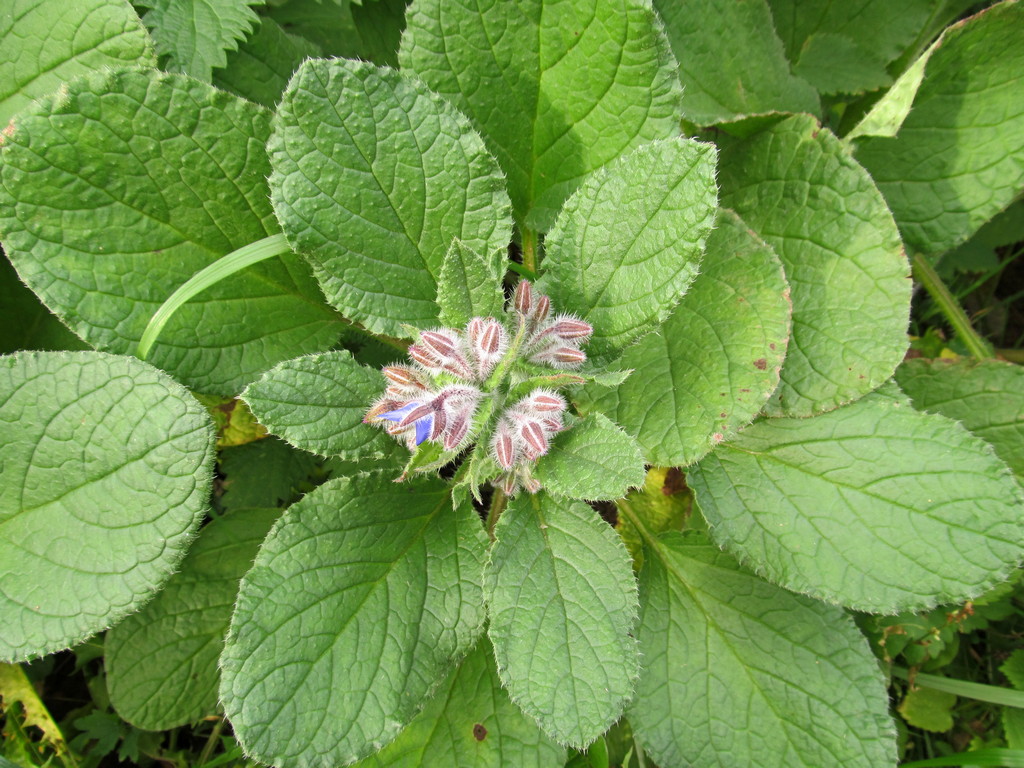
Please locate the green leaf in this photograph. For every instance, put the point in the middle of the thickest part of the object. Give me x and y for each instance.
(716, 360)
(1013, 668)
(956, 161)
(161, 663)
(731, 61)
(263, 64)
(735, 666)
(317, 403)
(928, 709)
(107, 466)
(470, 723)
(193, 36)
(864, 37)
(470, 285)
(329, 26)
(363, 596)
(558, 88)
(800, 190)
(562, 601)
(264, 473)
(874, 506)
(627, 245)
(44, 43)
(110, 199)
(26, 322)
(889, 112)
(374, 176)
(662, 504)
(986, 396)
(594, 459)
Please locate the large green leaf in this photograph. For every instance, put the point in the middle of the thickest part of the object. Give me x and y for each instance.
(798, 187)
(558, 88)
(470, 285)
(374, 176)
(264, 473)
(470, 723)
(986, 396)
(740, 672)
(957, 159)
(193, 36)
(845, 47)
(318, 402)
(364, 595)
(731, 61)
(161, 663)
(874, 506)
(119, 189)
(626, 246)
(562, 601)
(25, 322)
(263, 64)
(594, 459)
(716, 360)
(106, 468)
(44, 43)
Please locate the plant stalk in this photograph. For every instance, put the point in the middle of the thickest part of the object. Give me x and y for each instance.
(498, 503)
(529, 243)
(926, 275)
(211, 742)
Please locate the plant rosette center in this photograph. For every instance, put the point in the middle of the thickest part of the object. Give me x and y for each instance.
(493, 384)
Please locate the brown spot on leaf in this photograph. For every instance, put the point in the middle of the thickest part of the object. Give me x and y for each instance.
(771, 347)
(675, 482)
(723, 415)
(761, 364)
(479, 732)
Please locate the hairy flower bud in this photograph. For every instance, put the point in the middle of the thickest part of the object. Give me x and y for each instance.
(488, 343)
(569, 328)
(522, 299)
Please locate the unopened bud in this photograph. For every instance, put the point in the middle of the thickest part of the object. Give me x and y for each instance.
(531, 484)
(522, 299)
(424, 356)
(569, 328)
(504, 447)
(443, 344)
(534, 437)
(568, 356)
(545, 401)
(456, 432)
(542, 308)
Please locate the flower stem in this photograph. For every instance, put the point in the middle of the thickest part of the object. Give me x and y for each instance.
(926, 275)
(529, 243)
(211, 742)
(498, 503)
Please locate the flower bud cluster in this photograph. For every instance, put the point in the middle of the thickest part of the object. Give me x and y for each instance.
(438, 396)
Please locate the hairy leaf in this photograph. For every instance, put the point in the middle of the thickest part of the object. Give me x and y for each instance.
(798, 188)
(106, 468)
(986, 396)
(562, 600)
(161, 663)
(737, 669)
(470, 285)
(119, 189)
(470, 721)
(593, 460)
(731, 61)
(364, 595)
(44, 43)
(374, 176)
(263, 64)
(558, 88)
(264, 473)
(715, 361)
(874, 506)
(317, 403)
(957, 160)
(193, 36)
(26, 322)
(626, 246)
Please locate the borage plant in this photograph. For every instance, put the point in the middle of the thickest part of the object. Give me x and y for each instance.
(479, 611)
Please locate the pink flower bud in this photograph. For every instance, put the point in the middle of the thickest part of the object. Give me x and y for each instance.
(541, 310)
(568, 356)
(424, 357)
(522, 299)
(457, 432)
(533, 435)
(569, 328)
(443, 343)
(488, 341)
(504, 446)
(545, 401)
(531, 484)
(509, 483)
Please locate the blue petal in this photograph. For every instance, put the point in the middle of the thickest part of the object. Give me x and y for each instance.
(399, 413)
(423, 427)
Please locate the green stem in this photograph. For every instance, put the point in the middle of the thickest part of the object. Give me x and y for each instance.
(926, 275)
(224, 267)
(529, 243)
(993, 694)
(522, 271)
(498, 503)
(211, 742)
